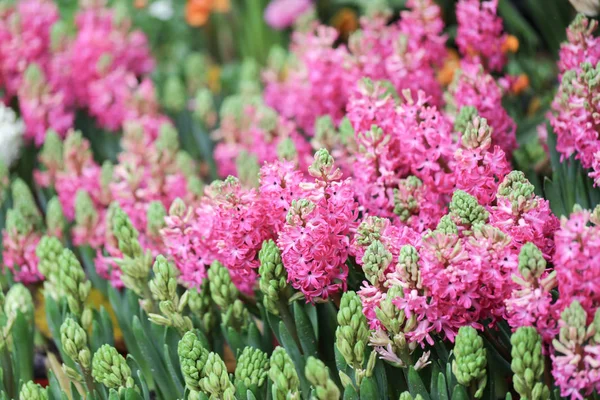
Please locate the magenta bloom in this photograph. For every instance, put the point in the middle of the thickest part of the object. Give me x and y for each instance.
(281, 14)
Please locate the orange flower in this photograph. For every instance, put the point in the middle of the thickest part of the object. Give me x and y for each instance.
(511, 44)
(345, 21)
(520, 84)
(140, 3)
(446, 74)
(221, 6)
(197, 12)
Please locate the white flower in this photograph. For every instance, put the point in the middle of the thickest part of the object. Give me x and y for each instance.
(161, 9)
(587, 7)
(11, 135)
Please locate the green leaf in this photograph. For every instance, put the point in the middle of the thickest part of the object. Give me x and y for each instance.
(174, 373)
(368, 389)
(459, 393)
(442, 390)
(235, 340)
(131, 394)
(305, 330)
(293, 351)
(416, 385)
(350, 393)
(381, 378)
(250, 395)
(138, 376)
(74, 392)
(22, 334)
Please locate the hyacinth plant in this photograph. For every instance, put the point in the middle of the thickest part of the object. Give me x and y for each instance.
(371, 235)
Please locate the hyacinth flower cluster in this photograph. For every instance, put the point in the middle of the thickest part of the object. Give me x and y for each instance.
(53, 73)
(147, 178)
(574, 117)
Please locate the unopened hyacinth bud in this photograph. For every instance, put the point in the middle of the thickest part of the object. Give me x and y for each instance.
(164, 284)
(55, 218)
(156, 214)
(369, 230)
(106, 174)
(18, 299)
(528, 364)
(16, 223)
(33, 391)
(573, 329)
(51, 155)
(111, 369)
(273, 276)
(4, 181)
(74, 342)
(467, 210)
(48, 251)
(277, 58)
(405, 203)
(167, 142)
(408, 396)
(286, 150)
(174, 96)
(352, 333)
(194, 70)
(318, 375)
(470, 361)
(375, 261)
(299, 210)
(390, 316)
(86, 214)
(531, 262)
(215, 381)
(200, 304)
(236, 316)
(284, 376)
(447, 226)
(596, 326)
(192, 358)
(247, 168)
(24, 202)
(477, 134)
(73, 283)
(323, 166)
(252, 367)
(222, 290)
(595, 216)
(325, 132)
(204, 107)
(126, 235)
(408, 265)
(465, 117)
(518, 190)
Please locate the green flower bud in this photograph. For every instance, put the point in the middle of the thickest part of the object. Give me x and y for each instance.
(174, 98)
(168, 140)
(59, 35)
(324, 129)
(375, 261)
(518, 190)
(48, 250)
(111, 369)
(370, 230)
(55, 218)
(352, 333)
(277, 59)
(86, 214)
(18, 299)
(192, 358)
(185, 163)
(447, 226)
(575, 322)
(164, 284)
(286, 149)
(24, 202)
(596, 326)
(390, 316)
(252, 367)
(222, 290)
(273, 276)
(33, 391)
(467, 210)
(125, 233)
(247, 168)
(347, 132)
(215, 379)
(4, 181)
(528, 364)
(74, 342)
(195, 70)
(318, 375)
(408, 396)
(16, 224)
(470, 361)
(73, 283)
(156, 214)
(405, 202)
(408, 265)
(283, 374)
(299, 208)
(531, 262)
(249, 70)
(106, 175)
(464, 118)
(34, 79)
(236, 316)
(323, 166)
(204, 107)
(195, 186)
(200, 304)
(478, 134)
(595, 217)
(51, 154)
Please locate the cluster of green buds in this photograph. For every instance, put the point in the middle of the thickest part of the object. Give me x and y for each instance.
(406, 198)
(477, 133)
(247, 168)
(51, 155)
(73, 339)
(574, 331)
(369, 230)
(201, 305)
(55, 218)
(408, 396)
(252, 370)
(164, 291)
(376, 260)
(204, 107)
(48, 251)
(136, 263)
(464, 118)
(225, 295)
(33, 391)
(4, 181)
(352, 336)
(174, 94)
(86, 215)
(323, 387)
(469, 364)
(323, 167)
(528, 364)
(391, 342)
(25, 209)
(111, 369)
(273, 277)
(74, 286)
(408, 267)
(18, 300)
(532, 266)
(466, 210)
(519, 191)
(286, 385)
(155, 214)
